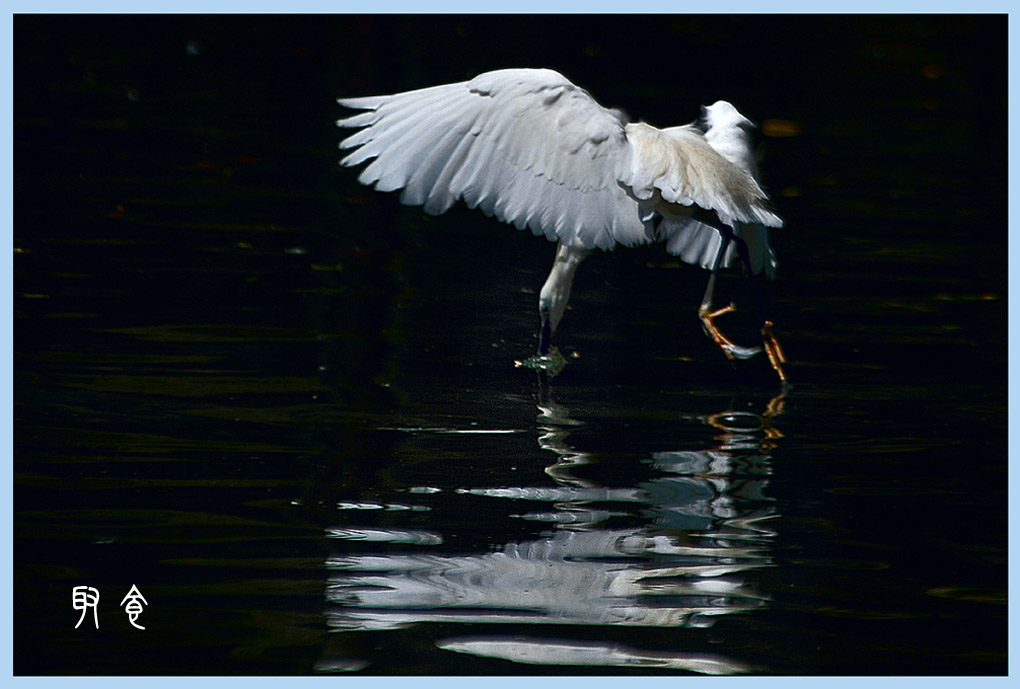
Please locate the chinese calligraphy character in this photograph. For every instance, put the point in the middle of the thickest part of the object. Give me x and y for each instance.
(134, 607)
(83, 598)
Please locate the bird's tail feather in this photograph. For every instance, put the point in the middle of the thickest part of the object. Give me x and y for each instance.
(698, 243)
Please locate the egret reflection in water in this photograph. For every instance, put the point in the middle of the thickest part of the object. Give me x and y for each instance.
(672, 551)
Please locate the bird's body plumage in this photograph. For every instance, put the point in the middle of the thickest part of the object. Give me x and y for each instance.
(534, 150)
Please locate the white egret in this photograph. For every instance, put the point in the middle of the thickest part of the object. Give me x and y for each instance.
(536, 151)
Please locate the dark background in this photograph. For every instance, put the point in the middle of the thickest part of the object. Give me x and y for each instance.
(214, 326)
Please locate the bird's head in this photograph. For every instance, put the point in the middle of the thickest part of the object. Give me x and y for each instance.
(722, 114)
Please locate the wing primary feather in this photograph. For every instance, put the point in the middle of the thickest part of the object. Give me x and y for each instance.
(403, 146)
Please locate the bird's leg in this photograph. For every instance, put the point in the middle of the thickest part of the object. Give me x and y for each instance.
(773, 349)
(708, 316)
(556, 291)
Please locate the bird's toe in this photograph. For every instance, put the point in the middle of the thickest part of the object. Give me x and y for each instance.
(738, 352)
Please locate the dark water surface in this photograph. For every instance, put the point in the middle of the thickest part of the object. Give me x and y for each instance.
(287, 408)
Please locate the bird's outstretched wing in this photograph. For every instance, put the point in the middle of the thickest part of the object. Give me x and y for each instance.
(524, 145)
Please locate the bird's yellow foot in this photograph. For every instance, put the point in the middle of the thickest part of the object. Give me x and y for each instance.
(730, 349)
(774, 350)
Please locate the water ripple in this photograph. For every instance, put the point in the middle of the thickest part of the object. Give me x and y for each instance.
(409, 536)
(534, 651)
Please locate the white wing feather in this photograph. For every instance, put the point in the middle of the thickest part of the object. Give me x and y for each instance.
(680, 167)
(532, 149)
(526, 146)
